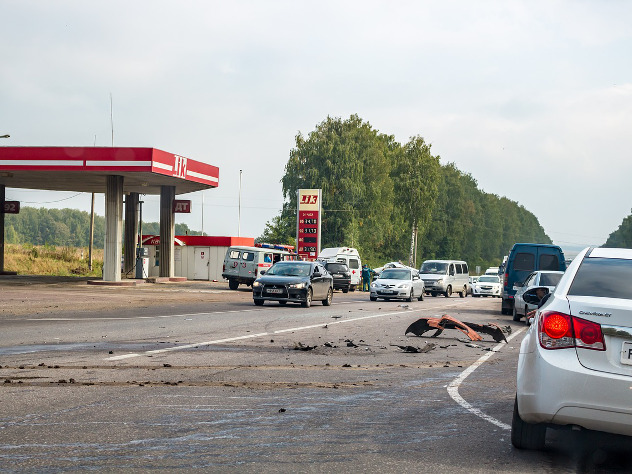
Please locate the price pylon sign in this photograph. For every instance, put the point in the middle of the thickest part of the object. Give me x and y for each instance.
(308, 218)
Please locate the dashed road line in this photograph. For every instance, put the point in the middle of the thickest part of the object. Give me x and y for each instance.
(253, 336)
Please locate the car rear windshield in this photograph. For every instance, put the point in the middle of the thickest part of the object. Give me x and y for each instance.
(337, 267)
(604, 277)
(524, 262)
(550, 279)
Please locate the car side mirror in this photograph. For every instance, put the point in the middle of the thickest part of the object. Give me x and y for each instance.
(316, 273)
(531, 296)
(262, 272)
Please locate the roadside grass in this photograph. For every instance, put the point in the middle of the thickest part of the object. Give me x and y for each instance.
(27, 259)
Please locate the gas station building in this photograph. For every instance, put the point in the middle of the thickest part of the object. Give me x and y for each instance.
(117, 172)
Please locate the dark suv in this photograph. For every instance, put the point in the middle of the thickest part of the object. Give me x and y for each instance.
(341, 274)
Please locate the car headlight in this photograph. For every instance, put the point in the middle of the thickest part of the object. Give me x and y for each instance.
(256, 284)
(440, 281)
(298, 285)
(374, 285)
(403, 285)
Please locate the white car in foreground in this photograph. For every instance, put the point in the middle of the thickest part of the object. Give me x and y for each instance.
(487, 285)
(575, 363)
(398, 283)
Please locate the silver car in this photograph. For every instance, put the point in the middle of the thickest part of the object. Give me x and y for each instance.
(575, 363)
(547, 278)
(398, 283)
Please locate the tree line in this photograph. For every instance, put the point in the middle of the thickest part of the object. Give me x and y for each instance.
(622, 237)
(65, 228)
(394, 201)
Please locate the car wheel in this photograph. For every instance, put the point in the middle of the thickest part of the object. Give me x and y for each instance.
(463, 293)
(421, 296)
(259, 302)
(372, 298)
(282, 303)
(327, 301)
(345, 290)
(308, 299)
(448, 292)
(233, 284)
(434, 294)
(411, 297)
(516, 316)
(526, 435)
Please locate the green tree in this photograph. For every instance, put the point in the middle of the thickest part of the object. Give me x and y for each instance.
(416, 181)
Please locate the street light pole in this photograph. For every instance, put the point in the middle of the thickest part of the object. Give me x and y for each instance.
(239, 209)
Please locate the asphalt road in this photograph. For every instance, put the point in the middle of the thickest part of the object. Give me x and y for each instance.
(195, 377)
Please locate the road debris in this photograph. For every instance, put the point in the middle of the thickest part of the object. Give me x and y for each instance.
(416, 350)
(422, 325)
(299, 346)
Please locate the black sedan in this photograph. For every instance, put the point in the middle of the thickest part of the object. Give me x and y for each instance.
(296, 282)
(341, 274)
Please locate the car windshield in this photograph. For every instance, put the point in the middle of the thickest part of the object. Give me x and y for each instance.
(289, 269)
(336, 267)
(395, 274)
(550, 279)
(603, 277)
(488, 279)
(440, 268)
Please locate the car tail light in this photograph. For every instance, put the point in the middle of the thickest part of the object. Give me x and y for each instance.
(561, 331)
(224, 268)
(506, 280)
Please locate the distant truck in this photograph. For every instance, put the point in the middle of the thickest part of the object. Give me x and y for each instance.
(347, 255)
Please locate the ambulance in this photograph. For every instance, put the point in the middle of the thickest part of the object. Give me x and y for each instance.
(243, 265)
(347, 255)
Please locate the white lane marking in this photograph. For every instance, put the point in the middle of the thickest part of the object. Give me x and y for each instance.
(252, 336)
(453, 388)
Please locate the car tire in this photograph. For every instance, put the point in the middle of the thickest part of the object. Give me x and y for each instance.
(259, 302)
(434, 294)
(282, 303)
(526, 435)
(372, 298)
(411, 297)
(327, 301)
(516, 316)
(308, 299)
(345, 290)
(463, 292)
(421, 296)
(233, 284)
(448, 292)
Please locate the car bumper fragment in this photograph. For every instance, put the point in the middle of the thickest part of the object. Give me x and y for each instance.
(425, 324)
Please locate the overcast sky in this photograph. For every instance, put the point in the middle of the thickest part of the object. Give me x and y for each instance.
(532, 98)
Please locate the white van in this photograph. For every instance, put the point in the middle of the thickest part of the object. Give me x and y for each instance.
(347, 255)
(445, 277)
(242, 264)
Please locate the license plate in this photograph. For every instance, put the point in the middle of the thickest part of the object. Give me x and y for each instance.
(388, 292)
(274, 290)
(626, 353)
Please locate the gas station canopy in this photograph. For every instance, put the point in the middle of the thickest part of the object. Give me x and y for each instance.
(115, 172)
(85, 169)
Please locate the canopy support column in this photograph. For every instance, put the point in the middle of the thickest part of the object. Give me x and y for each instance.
(167, 231)
(131, 233)
(113, 228)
